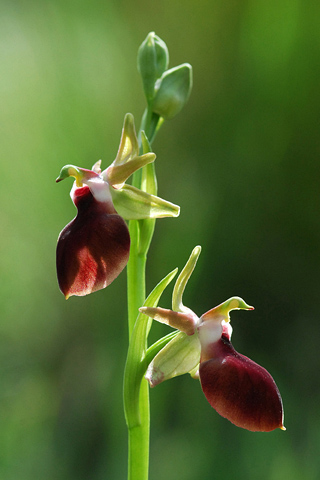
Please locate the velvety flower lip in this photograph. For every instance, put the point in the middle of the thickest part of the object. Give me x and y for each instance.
(235, 386)
(94, 247)
(239, 389)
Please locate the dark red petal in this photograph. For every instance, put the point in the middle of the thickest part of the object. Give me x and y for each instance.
(241, 390)
(93, 248)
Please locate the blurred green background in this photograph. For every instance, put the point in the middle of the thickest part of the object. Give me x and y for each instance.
(242, 160)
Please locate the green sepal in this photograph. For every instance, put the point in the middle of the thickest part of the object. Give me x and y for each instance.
(153, 60)
(172, 91)
(195, 372)
(181, 355)
(129, 146)
(157, 346)
(134, 204)
(128, 159)
(135, 364)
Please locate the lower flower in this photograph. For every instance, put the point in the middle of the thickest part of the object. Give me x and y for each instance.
(236, 387)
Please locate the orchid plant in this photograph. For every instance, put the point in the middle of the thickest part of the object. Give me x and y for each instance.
(98, 244)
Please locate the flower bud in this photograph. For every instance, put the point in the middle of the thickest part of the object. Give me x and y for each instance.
(153, 60)
(172, 91)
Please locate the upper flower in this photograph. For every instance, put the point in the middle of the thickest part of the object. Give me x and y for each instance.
(235, 386)
(94, 247)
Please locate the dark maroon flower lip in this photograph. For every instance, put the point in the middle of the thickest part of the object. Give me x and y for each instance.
(241, 390)
(93, 248)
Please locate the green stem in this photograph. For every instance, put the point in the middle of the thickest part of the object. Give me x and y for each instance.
(139, 433)
(150, 124)
(136, 275)
(138, 436)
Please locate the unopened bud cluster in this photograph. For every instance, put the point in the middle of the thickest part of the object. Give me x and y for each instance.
(166, 90)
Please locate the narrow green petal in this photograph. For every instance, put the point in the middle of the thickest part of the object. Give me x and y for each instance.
(181, 355)
(182, 281)
(116, 174)
(134, 204)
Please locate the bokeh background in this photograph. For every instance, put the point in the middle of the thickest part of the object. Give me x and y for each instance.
(242, 160)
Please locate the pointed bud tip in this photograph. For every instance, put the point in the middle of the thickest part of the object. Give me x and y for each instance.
(128, 118)
(150, 38)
